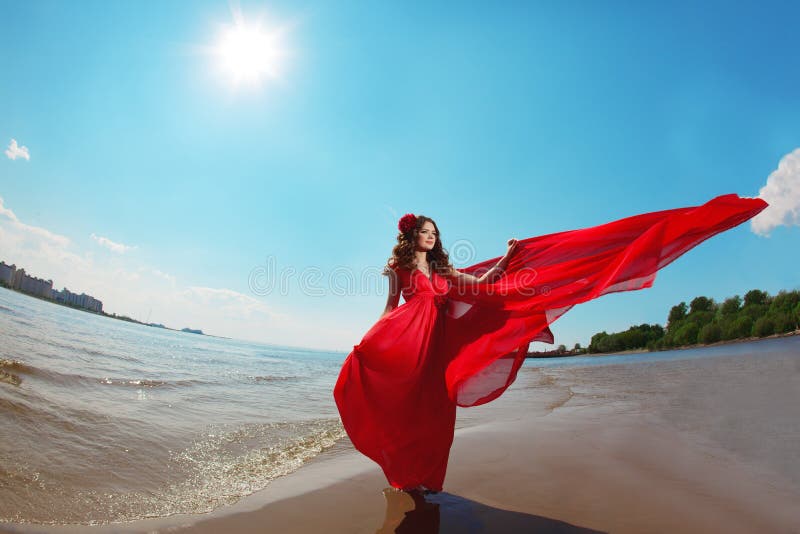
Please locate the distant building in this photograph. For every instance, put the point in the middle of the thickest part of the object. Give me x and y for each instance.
(83, 300)
(21, 281)
(7, 273)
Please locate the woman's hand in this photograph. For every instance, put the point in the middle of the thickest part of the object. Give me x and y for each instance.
(512, 246)
(503, 263)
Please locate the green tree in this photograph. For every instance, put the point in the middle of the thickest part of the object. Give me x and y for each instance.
(755, 296)
(784, 322)
(596, 341)
(731, 305)
(701, 318)
(743, 327)
(699, 304)
(669, 339)
(704, 321)
(754, 310)
(657, 331)
(763, 327)
(710, 333)
(676, 314)
(727, 324)
(785, 301)
(687, 334)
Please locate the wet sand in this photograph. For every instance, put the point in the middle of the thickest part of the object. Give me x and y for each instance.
(575, 469)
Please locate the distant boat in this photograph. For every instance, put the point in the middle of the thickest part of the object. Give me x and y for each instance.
(192, 331)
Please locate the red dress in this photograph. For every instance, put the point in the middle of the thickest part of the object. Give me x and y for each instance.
(454, 345)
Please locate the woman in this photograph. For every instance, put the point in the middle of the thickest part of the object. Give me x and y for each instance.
(461, 335)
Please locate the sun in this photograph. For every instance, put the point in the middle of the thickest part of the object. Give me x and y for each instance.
(249, 54)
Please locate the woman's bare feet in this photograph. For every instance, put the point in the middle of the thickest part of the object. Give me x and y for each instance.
(398, 503)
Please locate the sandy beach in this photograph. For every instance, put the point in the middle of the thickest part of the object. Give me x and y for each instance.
(550, 456)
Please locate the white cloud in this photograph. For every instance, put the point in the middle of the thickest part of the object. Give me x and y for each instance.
(227, 301)
(168, 277)
(7, 213)
(13, 220)
(782, 193)
(119, 248)
(15, 151)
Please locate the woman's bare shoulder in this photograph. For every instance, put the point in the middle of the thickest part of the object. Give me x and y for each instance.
(392, 266)
(396, 266)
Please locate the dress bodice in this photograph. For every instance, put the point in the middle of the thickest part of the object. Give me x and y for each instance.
(414, 283)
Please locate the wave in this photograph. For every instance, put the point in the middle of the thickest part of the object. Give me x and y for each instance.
(127, 358)
(12, 364)
(230, 463)
(69, 379)
(65, 421)
(10, 378)
(224, 465)
(150, 383)
(78, 349)
(6, 376)
(273, 378)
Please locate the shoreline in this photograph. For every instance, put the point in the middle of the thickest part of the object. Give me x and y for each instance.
(704, 345)
(684, 347)
(101, 313)
(578, 465)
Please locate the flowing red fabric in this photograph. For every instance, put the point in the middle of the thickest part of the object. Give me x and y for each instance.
(452, 344)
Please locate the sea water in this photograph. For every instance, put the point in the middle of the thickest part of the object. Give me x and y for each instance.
(106, 420)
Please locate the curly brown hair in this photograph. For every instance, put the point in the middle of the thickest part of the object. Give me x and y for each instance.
(403, 251)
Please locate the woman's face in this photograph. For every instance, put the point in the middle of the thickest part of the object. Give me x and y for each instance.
(427, 236)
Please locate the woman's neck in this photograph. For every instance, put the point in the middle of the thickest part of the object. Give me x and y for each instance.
(422, 258)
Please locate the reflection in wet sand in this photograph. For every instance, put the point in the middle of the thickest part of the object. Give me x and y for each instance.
(413, 512)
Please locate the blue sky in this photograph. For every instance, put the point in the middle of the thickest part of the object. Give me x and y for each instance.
(154, 182)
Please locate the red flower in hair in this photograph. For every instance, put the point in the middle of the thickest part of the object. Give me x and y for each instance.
(407, 223)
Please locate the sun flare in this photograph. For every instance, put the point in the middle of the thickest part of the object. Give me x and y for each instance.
(249, 54)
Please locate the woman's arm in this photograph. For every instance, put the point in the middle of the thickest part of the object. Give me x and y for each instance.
(489, 275)
(394, 293)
